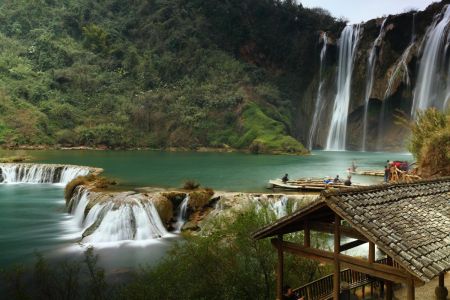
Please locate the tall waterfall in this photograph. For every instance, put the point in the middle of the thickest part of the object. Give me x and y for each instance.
(126, 216)
(182, 214)
(319, 101)
(40, 173)
(431, 86)
(371, 62)
(348, 43)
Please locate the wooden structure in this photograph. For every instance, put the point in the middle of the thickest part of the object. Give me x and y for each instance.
(307, 185)
(409, 222)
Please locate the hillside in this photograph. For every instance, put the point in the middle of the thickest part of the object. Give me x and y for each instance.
(157, 74)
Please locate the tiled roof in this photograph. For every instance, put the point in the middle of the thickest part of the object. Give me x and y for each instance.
(410, 222)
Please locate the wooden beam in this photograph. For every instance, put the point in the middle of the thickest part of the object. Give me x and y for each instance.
(351, 245)
(345, 231)
(307, 235)
(337, 265)
(371, 252)
(280, 268)
(410, 293)
(357, 264)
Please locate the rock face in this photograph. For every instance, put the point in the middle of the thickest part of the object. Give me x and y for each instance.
(397, 56)
(123, 216)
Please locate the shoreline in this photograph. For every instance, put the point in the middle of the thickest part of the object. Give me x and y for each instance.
(168, 149)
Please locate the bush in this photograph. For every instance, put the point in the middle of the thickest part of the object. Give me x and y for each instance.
(191, 184)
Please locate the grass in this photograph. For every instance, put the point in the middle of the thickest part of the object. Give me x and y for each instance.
(265, 135)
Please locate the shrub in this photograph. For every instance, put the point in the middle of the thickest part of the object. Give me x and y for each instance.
(191, 184)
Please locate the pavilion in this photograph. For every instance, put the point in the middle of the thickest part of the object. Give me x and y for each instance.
(409, 222)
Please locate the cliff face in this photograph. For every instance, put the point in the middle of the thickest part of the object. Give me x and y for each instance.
(398, 52)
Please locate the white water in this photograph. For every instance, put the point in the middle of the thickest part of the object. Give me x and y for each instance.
(80, 201)
(129, 220)
(431, 86)
(318, 108)
(371, 62)
(40, 173)
(348, 44)
(182, 214)
(280, 207)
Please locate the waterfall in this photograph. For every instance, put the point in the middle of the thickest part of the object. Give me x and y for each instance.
(318, 108)
(371, 62)
(123, 222)
(78, 204)
(115, 218)
(431, 86)
(182, 214)
(40, 173)
(348, 43)
(280, 207)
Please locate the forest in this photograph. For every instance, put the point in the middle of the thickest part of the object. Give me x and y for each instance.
(156, 74)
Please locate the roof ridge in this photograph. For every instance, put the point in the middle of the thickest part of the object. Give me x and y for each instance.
(381, 186)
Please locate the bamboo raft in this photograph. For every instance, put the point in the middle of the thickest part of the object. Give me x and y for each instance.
(307, 185)
(368, 172)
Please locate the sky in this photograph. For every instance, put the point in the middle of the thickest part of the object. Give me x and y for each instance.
(362, 10)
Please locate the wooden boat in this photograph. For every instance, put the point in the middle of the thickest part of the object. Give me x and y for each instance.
(368, 172)
(306, 185)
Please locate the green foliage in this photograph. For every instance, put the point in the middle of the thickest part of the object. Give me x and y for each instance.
(165, 73)
(68, 280)
(430, 142)
(226, 263)
(264, 134)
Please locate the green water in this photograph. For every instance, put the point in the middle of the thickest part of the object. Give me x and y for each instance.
(220, 171)
(33, 217)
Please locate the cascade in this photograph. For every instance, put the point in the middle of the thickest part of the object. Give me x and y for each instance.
(348, 43)
(371, 62)
(280, 207)
(127, 217)
(182, 214)
(78, 204)
(431, 86)
(318, 108)
(40, 173)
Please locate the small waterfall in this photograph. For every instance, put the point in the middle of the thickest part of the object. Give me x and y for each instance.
(280, 207)
(40, 173)
(371, 62)
(182, 214)
(318, 108)
(348, 43)
(431, 86)
(78, 203)
(114, 218)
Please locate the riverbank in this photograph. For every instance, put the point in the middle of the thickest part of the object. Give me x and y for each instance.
(223, 149)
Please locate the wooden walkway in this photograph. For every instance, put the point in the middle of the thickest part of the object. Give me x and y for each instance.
(322, 288)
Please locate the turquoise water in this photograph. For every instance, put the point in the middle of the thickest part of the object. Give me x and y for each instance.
(220, 171)
(33, 217)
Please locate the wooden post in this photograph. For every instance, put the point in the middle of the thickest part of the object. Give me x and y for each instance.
(389, 288)
(371, 252)
(337, 267)
(441, 291)
(410, 290)
(307, 235)
(280, 268)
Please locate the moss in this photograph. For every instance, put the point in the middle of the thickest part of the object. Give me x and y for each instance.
(70, 187)
(200, 198)
(263, 134)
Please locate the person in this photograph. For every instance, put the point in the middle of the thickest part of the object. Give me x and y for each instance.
(288, 294)
(336, 179)
(387, 171)
(348, 181)
(285, 178)
(354, 166)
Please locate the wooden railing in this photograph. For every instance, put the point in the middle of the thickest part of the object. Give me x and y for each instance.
(322, 288)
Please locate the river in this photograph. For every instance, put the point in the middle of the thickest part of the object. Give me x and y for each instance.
(33, 216)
